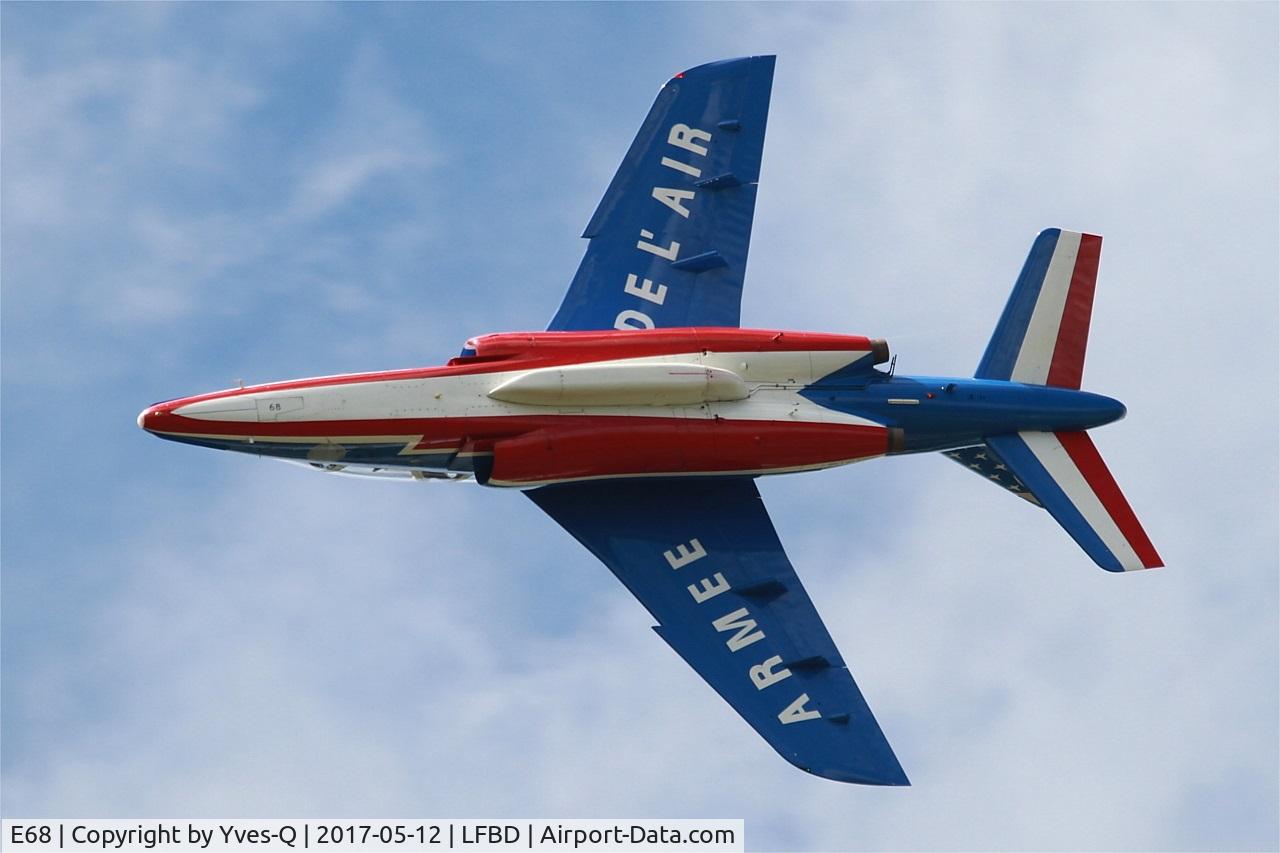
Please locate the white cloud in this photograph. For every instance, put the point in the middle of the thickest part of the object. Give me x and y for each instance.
(147, 189)
(373, 136)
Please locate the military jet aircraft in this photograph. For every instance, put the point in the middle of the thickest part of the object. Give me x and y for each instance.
(641, 418)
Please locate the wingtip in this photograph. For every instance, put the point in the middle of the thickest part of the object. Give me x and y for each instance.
(894, 778)
(721, 66)
(883, 771)
(890, 778)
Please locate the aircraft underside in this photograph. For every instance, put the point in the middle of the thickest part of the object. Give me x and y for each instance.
(639, 419)
(776, 408)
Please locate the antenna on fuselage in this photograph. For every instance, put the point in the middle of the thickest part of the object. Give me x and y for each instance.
(893, 362)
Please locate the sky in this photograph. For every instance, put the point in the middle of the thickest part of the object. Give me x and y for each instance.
(197, 194)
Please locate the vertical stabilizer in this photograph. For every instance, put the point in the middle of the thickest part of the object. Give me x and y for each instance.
(1043, 332)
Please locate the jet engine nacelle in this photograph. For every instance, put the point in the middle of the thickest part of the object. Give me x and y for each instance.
(676, 448)
(536, 349)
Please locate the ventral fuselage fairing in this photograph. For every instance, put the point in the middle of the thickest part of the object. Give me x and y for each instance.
(640, 419)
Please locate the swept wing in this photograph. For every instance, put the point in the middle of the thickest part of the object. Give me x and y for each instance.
(668, 248)
(668, 242)
(703, 557)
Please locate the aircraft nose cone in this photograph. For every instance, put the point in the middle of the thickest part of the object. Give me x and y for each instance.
(150, 417)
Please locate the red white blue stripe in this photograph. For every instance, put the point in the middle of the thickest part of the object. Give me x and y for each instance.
(1043, 333)
(1067, 475)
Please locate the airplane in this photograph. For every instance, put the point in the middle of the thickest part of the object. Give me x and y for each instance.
(641, 417)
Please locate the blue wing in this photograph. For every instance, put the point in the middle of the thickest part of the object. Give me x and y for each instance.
(669, 239)
(704, 558)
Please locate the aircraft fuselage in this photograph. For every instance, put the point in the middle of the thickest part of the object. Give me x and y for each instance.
(530, 409)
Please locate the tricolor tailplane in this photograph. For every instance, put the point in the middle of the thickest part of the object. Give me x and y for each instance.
(1041, 340)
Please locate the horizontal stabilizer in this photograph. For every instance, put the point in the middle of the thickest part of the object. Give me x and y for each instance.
(1067, 476)
(982, 461)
